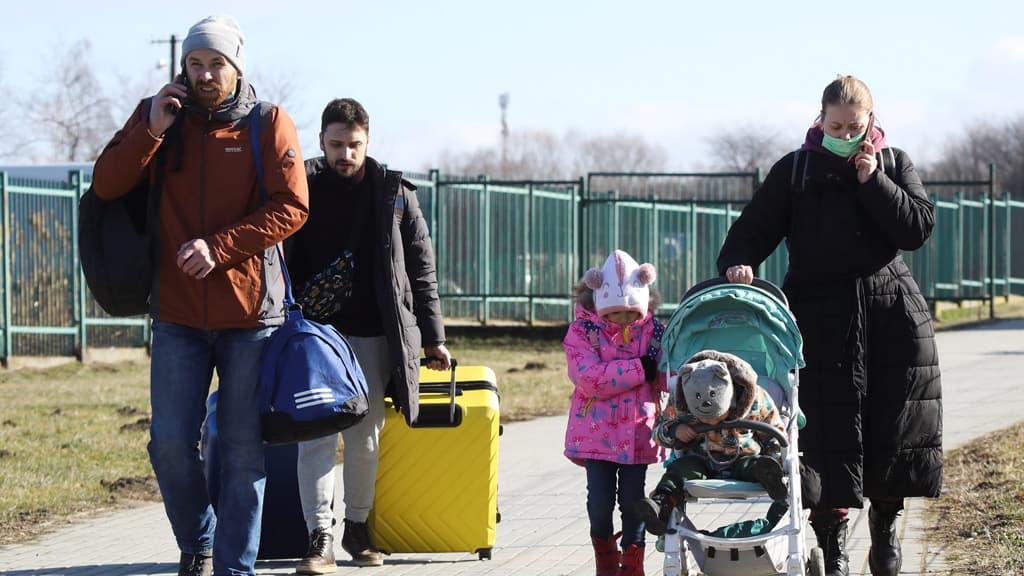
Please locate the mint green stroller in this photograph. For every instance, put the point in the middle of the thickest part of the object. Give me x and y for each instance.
(754, 323)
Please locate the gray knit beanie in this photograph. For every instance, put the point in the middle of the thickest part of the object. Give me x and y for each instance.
(220, 33)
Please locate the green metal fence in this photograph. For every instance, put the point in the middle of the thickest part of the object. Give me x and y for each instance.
(45, 309)
(505, 250)
(508, 251)
(676, 221)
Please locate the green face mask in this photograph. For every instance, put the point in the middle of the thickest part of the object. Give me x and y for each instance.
(839, 147)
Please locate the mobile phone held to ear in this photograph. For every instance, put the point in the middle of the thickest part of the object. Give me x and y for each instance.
(183, 80)
(867, 133)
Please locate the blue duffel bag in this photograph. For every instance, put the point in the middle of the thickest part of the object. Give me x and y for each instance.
(311, 381)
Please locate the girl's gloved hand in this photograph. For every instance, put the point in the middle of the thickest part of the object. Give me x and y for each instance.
(650, 368)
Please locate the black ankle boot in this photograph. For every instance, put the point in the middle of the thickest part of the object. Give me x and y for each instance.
(655, 512)
(831, 535)
(885, 557)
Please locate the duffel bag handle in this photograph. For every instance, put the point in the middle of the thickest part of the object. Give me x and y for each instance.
(451, 388)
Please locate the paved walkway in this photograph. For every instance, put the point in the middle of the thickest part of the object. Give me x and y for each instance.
(541, 495)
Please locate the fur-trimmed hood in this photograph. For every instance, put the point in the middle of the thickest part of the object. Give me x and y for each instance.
(744, 382)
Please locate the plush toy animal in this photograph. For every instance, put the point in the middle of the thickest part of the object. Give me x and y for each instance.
(716, 386)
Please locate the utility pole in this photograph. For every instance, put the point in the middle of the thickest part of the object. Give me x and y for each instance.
(172, 66)
(503, 104)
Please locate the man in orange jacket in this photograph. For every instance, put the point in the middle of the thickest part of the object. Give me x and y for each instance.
(217, 289)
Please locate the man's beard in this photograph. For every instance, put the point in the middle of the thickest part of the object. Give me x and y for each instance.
(347, 170)
(210, 99)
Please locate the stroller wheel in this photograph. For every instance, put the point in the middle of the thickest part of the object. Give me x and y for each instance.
(816, 562)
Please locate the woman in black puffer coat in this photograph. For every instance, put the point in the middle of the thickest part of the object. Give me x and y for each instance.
(847, 206)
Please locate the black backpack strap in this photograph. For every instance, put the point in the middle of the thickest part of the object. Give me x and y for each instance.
(887, 161)
(798, 176)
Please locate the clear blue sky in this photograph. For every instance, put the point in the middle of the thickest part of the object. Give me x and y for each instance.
(430, 72)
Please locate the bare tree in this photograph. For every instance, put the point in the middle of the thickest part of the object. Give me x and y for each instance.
(968, 157)
(542, 155)
(11, 140)
(281, 89)
(618, 153)
(132, 90)
(69, 109)
(746, 149)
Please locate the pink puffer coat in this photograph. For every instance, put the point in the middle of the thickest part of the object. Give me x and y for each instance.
(613, 407)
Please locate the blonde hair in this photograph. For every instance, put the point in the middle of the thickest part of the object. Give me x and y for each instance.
(846, 90)
(584, 296)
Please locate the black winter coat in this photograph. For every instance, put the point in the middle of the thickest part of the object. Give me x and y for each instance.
(404, 270)
(871, 388)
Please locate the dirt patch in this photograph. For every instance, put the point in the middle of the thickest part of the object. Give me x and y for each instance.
(26, 526)
(137, 487)
(142, 424)
(529, 366)
(128, 411)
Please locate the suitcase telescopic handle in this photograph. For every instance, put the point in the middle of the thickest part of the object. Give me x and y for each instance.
(451, 388)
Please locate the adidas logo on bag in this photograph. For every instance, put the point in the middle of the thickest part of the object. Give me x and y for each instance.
(313, 397)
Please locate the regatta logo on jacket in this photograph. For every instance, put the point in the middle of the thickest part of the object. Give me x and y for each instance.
(232, 148)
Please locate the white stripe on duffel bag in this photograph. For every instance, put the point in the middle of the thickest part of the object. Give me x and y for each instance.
(313, 397)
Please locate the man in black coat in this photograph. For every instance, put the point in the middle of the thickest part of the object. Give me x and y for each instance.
(364, 264)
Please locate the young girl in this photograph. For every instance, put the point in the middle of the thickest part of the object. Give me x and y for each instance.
(612, 350)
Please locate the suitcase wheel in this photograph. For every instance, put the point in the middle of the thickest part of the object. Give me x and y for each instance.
(484, 553)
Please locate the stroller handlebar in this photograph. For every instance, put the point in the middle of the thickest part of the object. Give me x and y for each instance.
(722, 280)
(751, 424)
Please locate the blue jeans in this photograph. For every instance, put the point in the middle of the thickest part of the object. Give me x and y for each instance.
(183, 360)
(601, 492)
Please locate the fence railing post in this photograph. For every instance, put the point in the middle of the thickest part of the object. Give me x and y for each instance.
(1007, 258)
(441, 256)
(485, 251)
(5, 267)
(655, 236)
(691, 246)
(958, 248)
(933, 257)
(581, 237)
(76, 178)
(576, 237)
(992, 240)
(527, 237)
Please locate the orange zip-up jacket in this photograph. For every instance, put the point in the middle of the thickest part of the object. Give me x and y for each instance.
(209, 190)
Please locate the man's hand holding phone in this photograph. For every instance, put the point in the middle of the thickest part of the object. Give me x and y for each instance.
(166, 103)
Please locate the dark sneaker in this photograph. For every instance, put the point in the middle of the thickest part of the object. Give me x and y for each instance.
(195, 565)
(655, 512)
(356, 541)
(319, 559)
(769, 473)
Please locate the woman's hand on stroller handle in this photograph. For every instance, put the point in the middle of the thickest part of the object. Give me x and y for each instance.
(741, 274)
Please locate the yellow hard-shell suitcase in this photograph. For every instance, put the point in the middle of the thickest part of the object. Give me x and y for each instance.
(437, 482)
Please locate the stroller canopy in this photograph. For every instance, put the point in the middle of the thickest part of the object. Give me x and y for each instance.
(740, 319)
